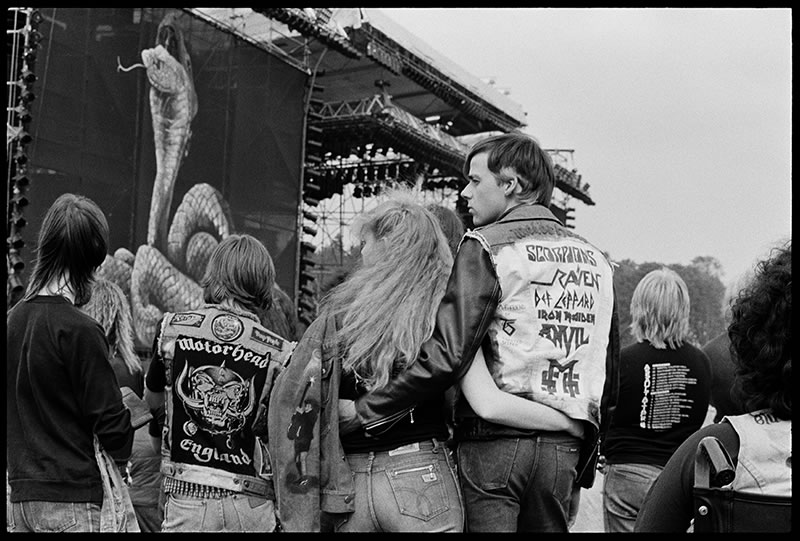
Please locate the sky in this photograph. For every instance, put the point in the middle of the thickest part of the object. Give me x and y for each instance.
(679, 119)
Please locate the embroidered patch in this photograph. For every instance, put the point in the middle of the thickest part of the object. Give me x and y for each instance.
(227, 327)
(188, 319)
(267, 339)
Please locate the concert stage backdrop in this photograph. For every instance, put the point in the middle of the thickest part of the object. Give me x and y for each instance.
(134, 102)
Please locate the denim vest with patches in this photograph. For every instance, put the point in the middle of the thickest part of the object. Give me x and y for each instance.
(765, 454)
(549, 334)
(220, 367)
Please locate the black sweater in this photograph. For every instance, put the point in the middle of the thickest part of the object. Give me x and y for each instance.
(60, 390)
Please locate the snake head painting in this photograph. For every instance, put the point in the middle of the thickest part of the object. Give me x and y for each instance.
(173, 106)
(164, 274)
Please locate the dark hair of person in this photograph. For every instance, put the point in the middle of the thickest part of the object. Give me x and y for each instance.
(452, 226)
(73, 242)
(761, 335)
(240, 269)
(518, 153)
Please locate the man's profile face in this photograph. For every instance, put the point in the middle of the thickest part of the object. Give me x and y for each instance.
(486, 198)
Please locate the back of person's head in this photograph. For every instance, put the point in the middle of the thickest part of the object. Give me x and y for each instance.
(110, 308)
(518, 154)
(761, 335)
(241, 270)
(387, 308)
(660, 309)
(73, 242)
(452, 226)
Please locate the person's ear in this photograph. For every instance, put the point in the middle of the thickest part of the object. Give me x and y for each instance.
(512, 186)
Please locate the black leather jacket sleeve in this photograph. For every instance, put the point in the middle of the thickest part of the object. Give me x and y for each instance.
(462, 320)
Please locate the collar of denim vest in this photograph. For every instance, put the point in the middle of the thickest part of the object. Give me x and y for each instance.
(528, 211)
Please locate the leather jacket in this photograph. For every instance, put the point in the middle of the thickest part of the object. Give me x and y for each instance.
(465, 315)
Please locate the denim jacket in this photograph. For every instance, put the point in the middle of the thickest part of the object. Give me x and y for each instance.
(224, 363)
(311, 473)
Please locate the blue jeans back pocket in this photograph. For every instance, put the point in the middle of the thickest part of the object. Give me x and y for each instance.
(487, 463)
(52, 517)
(419, 489)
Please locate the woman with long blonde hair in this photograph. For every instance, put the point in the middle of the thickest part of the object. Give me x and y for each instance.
(388, 304)
(369, 329)
(111, 309)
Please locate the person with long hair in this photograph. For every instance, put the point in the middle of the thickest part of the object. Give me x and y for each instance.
(538, 301)
(213, 368)
(759, 441)
(61, 391)
(370, 329)
(664, 391)
(110, 307)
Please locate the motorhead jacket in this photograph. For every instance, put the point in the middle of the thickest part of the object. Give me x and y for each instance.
(220, 366)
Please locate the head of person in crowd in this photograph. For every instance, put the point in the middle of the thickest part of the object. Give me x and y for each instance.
(660, 309)
(72, 244)
(761, 335)
(452, 226)
(503, 171)
(110, 308)
(240, 271)
(386, 307)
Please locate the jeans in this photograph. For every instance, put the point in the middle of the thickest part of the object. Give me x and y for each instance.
(237, 513)
(37, 516)
(410, 489)
(519, 484)
(624, 489)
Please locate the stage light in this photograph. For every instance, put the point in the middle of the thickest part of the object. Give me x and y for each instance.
(19, 200)
(310, 216)
(569, 217)
(15, 241)
(29, 57)
(27, 96)
(15, 261)
(18, 221)
(35, 18)
(20, 157)
(21, 180)
(27, 77)
(23, 137)
(16, 284)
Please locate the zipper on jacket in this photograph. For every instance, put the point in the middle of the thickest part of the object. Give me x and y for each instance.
(388, 422)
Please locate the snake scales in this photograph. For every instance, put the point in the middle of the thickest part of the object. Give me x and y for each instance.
(164, 274)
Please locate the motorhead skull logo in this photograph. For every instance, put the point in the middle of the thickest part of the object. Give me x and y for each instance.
(216, 398)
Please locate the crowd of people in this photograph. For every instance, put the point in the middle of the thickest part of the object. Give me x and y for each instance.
(456, 380)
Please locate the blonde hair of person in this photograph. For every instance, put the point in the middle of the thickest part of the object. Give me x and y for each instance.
(109, 306)
(386, 310)
(660, 309)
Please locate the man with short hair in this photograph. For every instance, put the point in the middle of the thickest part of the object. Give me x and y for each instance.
(539, 300)
(214, 367)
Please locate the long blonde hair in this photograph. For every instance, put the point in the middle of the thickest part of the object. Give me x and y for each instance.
(660, 309)
(386, 310)
(110, 308)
